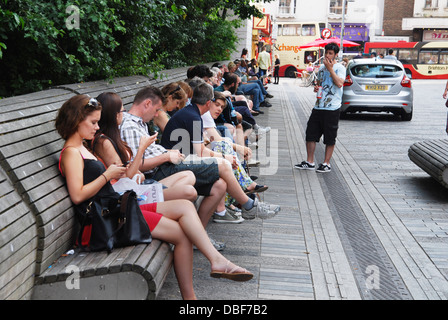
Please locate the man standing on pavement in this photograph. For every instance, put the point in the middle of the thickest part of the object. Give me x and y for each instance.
(324, 119)
(264, 62)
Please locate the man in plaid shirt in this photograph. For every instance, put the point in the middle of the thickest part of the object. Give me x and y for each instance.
(132, 129)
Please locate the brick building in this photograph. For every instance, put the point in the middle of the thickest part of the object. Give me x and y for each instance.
(394, 13)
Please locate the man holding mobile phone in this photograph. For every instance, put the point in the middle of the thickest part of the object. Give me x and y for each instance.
(324, 119)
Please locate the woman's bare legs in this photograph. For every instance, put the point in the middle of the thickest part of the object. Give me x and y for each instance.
(211, 202)
(182, 227)
(221, 205)
(180, 186)
(170, 231)
(233, 186)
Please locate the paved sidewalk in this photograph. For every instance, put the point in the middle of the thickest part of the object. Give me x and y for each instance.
(376, 227)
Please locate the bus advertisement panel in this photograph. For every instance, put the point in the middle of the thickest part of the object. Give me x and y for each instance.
(422, 60)
(290, 37)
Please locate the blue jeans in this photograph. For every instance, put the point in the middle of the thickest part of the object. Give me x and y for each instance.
(260, 85)
(262, 72)
(252, 89)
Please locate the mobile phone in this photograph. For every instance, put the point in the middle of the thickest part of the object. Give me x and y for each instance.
(125, 164)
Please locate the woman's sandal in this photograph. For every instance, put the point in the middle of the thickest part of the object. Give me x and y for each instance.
(258, 188)
(232, 274)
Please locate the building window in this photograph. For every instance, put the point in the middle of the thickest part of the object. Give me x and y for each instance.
(287, 6)
(429, 4)
(336, 7)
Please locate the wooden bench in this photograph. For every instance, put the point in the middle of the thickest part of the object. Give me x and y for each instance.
(126, 87)
(432, 157)
(35, 198)
(37, 225)
(18, 243)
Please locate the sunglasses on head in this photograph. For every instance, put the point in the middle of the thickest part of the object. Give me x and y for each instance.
(92, 103)
(175, 90)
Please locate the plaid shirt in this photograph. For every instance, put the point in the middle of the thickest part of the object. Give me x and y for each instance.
(132, 129)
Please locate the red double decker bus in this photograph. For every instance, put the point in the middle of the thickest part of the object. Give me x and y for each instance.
(422, 60)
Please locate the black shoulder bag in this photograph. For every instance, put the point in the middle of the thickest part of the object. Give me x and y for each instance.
(117, 221)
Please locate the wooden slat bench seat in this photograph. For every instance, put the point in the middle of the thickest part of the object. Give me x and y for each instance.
(432, 157)
(136, 273)
(126, 87)
(37, 225)
(18, 243)
(37, 213)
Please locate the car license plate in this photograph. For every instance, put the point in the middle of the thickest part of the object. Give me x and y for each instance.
(376, 87)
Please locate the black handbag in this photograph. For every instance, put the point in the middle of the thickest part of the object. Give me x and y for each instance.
(117, 221)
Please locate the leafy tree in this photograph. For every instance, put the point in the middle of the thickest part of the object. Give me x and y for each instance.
(39, 50)
(45, 43)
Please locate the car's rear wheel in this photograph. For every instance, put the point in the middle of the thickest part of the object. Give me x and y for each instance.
(406, 116)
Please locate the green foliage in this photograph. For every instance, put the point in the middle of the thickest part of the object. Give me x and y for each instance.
(42, 51)
(46, 43)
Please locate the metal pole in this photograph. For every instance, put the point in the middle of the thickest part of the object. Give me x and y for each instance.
(342, 30)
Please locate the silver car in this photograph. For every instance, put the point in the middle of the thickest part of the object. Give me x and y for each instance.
(378, 85)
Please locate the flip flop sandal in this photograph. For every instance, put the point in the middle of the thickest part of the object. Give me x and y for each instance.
(258, 188)
(232, 275)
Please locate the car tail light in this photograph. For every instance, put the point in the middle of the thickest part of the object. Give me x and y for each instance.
(406, 82)
(348, 81)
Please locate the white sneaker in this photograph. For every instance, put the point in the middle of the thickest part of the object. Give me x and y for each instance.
(263, 130)
(260, 210)
(253, 163)
(253, 145)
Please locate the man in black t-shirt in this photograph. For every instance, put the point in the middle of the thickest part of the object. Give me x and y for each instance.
(185, 128)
